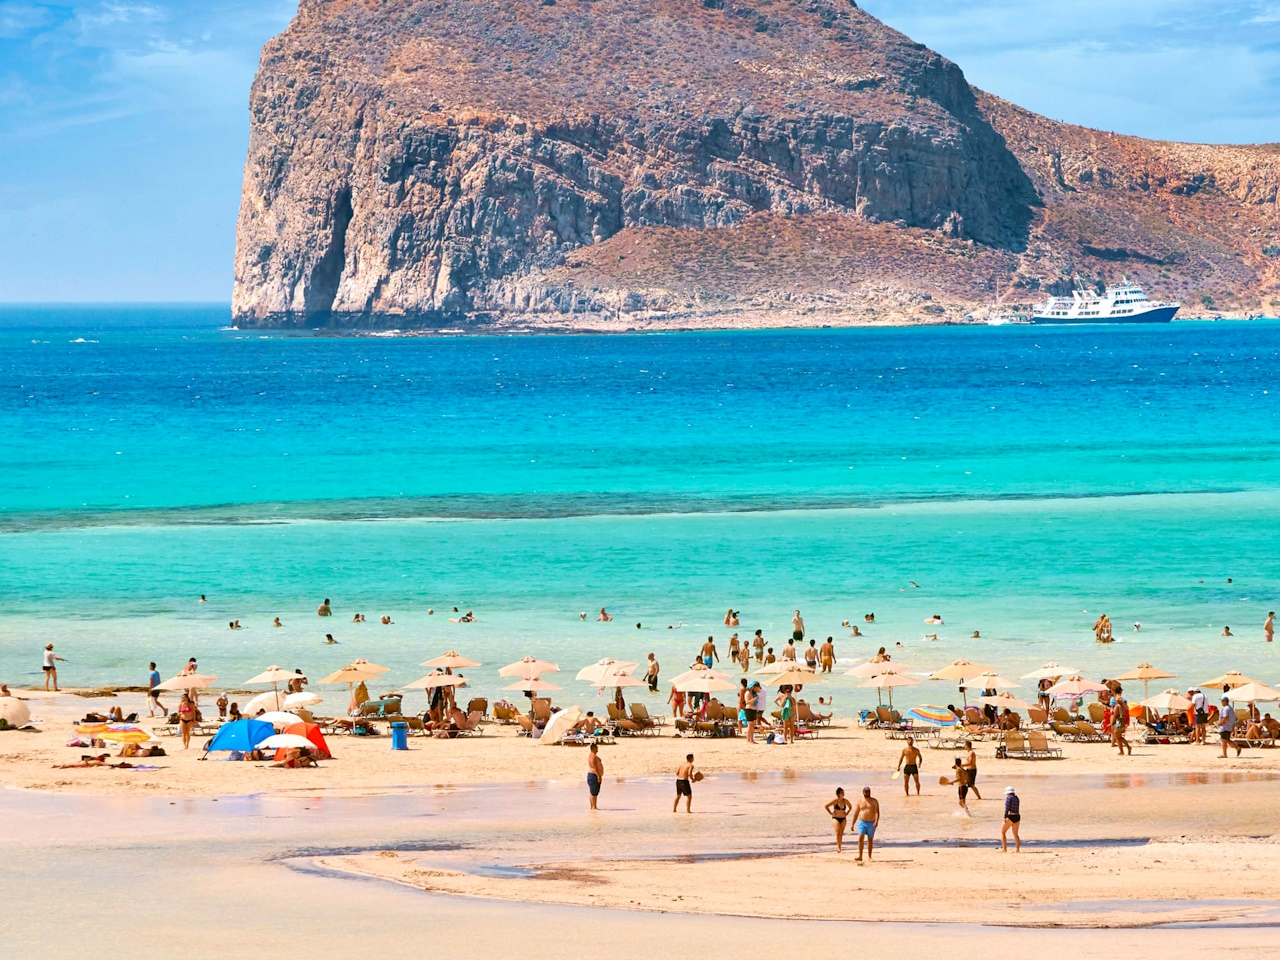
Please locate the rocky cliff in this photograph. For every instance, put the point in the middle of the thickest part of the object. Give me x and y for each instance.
(428, 163)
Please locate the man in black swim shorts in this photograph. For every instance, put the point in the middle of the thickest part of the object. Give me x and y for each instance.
(909, 764)
(684, 784)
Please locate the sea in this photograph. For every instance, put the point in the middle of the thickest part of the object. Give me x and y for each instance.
(1018, 481)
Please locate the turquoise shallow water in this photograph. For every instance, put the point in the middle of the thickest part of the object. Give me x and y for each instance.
(1025, 478)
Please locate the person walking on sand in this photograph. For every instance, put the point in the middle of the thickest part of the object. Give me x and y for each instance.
(1199, 704)
(909, 764)
(153, 694)
(51, 667)
(868, 818)
(1269, 628)
(685, 776)
(797, 627)
(595, 773)
(1012, 817)
(839, 810)
(1119, 723)
(971, 768)
(1226, 724)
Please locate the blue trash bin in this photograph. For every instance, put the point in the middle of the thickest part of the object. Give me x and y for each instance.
(399, 735)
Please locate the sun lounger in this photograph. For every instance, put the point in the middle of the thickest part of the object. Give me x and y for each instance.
(541, 709)
(1038, 716)
(1065, 731)
(472, 725)
(1015, 746)
(1061, 715)
(640, 714)
(1038, 744)
(1088, 732)
(478, 703)
(526, 725)
(806, 714)
(505, 713)
(1096, 712)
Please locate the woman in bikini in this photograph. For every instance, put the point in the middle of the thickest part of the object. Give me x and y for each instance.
(186, 719)
(839, 810)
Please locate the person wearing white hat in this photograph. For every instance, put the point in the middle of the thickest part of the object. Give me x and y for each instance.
(1012, 818)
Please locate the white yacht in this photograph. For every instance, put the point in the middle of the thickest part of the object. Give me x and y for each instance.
(1123, 302)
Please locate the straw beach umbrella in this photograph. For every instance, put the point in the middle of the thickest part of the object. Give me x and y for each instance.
(1146, 673)
(888, 681)
(451, 661)
(1233, 678)
(273, 675)
(961, 670)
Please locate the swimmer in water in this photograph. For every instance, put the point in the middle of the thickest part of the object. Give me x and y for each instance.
(276, 622)
(328, 638)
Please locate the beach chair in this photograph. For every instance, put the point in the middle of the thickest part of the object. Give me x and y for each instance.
(1038, 715)
(478, 703)
(1015, 747)
(1065, 731)
(1096, 712)
(472, 725)
(526, 725)
(1038, 744)
(641, 716)
(1061, 715)
(805, 714)
(505, 713)
(1088, 733)
(684, 726)
(541, 710)
(417, 727)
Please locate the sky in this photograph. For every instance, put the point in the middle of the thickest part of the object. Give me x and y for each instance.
(124, 123)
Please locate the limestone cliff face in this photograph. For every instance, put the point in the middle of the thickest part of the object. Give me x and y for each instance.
(417, 162)
(581, 163)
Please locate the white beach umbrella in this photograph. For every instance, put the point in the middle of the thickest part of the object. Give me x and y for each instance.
(1076, 686)
(1050, 671)
(532, 685)
(279, 718)
(14, 712)
(699, 671)
(295, 700)
(560, 723)
(452, 660)
(433, 681)
(604, 668)
(1169, 700)
(528, 667)
(992, 681)
(703, 685)
(1002, 700)
(1253, 692)
(782, 666)
(190, 681)
(873, 668)
(887, 681)
(271, 700)
(285, 741)
(960, 670)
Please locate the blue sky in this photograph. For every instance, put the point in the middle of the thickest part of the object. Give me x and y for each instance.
(123, 123)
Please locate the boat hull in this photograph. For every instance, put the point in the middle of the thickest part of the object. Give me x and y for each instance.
(1158, 315)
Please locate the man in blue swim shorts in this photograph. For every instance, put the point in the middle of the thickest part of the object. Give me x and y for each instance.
(866, 819)
(595, 773)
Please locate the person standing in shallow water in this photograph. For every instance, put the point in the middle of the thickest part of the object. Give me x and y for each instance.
(50, 667)
(868, 818)
(1269, 628)
(684, 784)
(324, 610)
(797, 627)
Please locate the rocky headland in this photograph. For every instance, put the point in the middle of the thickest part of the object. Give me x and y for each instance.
(600, 164)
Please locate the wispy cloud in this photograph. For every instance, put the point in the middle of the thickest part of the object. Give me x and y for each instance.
(1172, 69)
